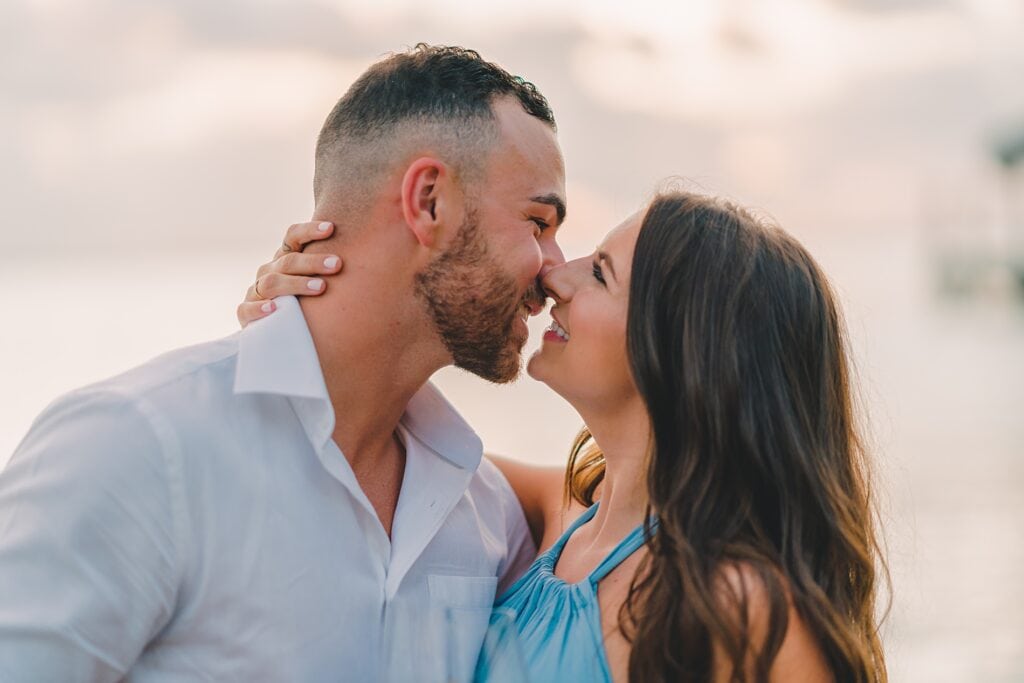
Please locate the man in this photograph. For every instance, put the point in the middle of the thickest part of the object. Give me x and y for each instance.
(296, 502)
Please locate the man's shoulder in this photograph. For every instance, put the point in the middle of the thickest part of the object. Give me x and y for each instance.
(176, 371)
(491, 487)
(118, 419)
(179, 381)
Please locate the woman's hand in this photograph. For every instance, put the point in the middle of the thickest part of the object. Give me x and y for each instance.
(291, 272)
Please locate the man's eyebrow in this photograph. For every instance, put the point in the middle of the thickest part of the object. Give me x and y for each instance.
(603, 256)
(552, 200)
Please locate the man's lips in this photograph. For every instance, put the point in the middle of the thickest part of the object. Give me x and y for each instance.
(534, 300)
(534, 306)
(528, 309)
(533, 303)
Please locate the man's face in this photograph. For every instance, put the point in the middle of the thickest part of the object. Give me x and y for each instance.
(481, 290)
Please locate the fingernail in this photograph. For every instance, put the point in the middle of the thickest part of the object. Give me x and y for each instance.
(267, 307)
(331, 262)
(324, 227)
(315, 285)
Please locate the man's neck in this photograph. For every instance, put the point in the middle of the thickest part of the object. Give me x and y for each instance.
(376, 350)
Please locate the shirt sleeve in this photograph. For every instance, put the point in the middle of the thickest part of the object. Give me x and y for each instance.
(89, 545)
(521, 549)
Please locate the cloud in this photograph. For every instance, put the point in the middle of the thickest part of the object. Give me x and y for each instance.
(739, 62)
(197, 118)
(214, 94)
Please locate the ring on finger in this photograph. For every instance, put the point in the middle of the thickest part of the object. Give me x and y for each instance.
(256, 288)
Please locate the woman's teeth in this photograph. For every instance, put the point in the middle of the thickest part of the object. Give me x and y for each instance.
(557, 329)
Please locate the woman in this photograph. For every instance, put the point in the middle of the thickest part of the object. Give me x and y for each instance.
(714, 523)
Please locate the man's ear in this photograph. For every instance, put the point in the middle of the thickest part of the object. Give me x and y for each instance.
(429, 200)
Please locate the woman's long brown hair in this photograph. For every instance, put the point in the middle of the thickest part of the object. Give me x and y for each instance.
(737, 347)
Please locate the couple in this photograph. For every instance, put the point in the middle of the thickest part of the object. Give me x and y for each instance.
(282, 504)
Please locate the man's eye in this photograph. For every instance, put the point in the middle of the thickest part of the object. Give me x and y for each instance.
(540, 223)
(598, 274)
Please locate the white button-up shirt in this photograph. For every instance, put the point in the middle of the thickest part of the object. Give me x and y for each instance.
(193, 520)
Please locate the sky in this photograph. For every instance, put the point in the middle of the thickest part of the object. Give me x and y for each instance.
(155, 150)
(174, 124)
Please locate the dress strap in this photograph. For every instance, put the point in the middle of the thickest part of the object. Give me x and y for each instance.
(556, 550)
(626, 547)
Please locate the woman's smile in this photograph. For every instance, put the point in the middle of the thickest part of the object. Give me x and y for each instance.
(555, 332)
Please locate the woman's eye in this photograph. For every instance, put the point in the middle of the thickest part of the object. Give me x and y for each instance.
(598, 274)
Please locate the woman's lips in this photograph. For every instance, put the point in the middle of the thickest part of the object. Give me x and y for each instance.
(551, 336)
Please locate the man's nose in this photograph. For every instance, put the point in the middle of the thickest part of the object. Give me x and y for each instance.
(557, 282)
(552, 257)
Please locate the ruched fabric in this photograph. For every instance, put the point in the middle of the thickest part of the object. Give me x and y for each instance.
(558, 624)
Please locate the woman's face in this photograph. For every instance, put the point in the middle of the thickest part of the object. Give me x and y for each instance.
(583, 355)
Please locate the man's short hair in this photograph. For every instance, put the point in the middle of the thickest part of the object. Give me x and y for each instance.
(438, 97)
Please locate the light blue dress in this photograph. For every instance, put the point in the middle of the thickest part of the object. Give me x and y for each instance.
(558, 624)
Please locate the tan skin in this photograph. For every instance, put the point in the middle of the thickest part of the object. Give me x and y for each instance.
(593, 313)
(378, 320)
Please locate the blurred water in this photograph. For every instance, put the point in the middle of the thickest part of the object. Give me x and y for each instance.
(943, 383)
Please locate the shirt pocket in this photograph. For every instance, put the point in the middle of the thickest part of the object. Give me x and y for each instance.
(462, 607)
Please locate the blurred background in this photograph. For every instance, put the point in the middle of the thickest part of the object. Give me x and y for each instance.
(154, 152)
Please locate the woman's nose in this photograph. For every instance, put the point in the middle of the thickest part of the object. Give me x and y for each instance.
(559, 282)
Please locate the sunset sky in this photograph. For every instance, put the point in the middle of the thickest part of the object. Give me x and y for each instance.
(153, 152)
(197, 119)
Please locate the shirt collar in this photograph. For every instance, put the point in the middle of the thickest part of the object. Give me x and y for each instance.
(431, 419)
(276, 355)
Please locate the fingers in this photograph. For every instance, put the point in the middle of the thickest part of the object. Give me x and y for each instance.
(300, 234)
(297, 263)
(254, 310)
(291, 272)
(272, 285)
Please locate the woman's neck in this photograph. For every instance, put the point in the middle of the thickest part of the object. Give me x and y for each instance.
(623, 436)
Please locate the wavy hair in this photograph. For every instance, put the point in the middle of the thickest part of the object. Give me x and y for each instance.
(737, 347)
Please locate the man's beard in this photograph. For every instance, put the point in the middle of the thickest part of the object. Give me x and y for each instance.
(474, 306)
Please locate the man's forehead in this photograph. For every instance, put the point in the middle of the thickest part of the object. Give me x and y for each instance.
(528, 148)
(528, 183)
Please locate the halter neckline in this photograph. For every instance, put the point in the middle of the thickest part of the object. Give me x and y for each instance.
(626, 547)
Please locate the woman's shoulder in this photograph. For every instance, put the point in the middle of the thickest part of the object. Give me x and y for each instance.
(800, 657)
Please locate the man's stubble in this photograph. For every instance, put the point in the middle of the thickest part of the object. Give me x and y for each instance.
(474, 306)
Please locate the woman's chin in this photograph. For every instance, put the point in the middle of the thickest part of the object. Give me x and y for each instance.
(539, 367)
(542, 369)
(531, 366)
